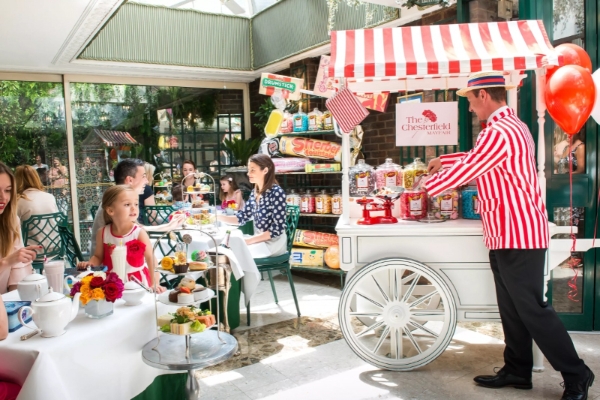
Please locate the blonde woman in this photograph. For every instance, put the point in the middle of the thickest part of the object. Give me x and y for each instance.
(147, 198)
(33, 200)
(15, 260)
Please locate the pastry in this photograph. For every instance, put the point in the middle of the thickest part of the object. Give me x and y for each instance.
(185, 298)
(181, 268)
(190, 188)
(188, 283)
(197, 187)
(173, 295)
(198, 266)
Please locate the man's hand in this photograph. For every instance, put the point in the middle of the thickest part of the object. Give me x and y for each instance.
(434, 166)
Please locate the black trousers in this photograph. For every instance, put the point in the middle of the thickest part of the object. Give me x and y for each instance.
(519, 279)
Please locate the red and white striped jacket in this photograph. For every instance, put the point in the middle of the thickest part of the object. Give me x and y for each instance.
(503, 162)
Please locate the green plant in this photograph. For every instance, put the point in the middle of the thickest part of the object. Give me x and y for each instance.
(263, 113)
(241, 149)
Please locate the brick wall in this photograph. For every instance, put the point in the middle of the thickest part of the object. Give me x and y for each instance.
(230, 101)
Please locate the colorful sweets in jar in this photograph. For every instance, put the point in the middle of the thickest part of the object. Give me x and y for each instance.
(362, 179)
(300, 121)
(413, 204)
(293, 198)
(445, 204)
(336, 203)
(388, 174)
(307, 202)
(412, 174)
(323, 203)
(327, 120)
(287, 125)
(470, 203)
(315, 120)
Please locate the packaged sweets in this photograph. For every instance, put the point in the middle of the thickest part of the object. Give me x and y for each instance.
(270, 147)
(388, 174)
(307, 202)
(323, 203)
(336, 203)
(293, 198)
(313, 148)
(300, 121)
(470, 203)
(413, 204)
(412, 174)
(445, 204)
(309, 257)
(290, 164)
(316, 240)
(287, 125)
(313, 168)
(274, 123)
(327, 120)
(362, 179)
(315, 120)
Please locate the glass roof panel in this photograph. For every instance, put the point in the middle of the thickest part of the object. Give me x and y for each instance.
(245, 8)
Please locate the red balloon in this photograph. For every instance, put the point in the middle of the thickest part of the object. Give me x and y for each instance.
(572, 55)
(570, 95)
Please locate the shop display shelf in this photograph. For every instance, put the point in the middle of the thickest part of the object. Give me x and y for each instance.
(322, 269)
(308, 133)
(308, 173)
(319, 215)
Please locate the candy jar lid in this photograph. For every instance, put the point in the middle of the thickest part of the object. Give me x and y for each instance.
(388, 164)
(361, 165)
(292, 191)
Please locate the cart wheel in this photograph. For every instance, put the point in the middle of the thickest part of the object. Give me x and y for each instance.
(397, 314)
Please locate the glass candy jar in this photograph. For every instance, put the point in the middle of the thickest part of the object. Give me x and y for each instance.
(315, 120)
(300, 121)
(412, 174)
(470, 203)
(413, 204)
(287, 125)
(307, 202)
(323, 203)
(336, 203)
(388, 174)
(362, 179)
(445, 205)
(293, 198)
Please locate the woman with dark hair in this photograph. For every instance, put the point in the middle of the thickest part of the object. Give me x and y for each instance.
(265, 207)
(187, 168)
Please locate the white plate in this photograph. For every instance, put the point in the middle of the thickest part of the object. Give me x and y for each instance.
(164, 298)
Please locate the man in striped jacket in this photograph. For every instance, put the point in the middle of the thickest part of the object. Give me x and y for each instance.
(515, 229)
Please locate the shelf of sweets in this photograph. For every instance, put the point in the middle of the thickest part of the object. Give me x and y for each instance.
(319, 215)
(308, 133)
(308, 173)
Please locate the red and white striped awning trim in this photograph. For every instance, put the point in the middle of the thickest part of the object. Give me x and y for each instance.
(440, 50)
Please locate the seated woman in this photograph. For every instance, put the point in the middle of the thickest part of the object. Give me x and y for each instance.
(266, 208)
(32, 199)
(15, 260)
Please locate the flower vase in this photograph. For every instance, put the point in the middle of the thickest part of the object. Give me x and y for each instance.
(98, 309)
(229, 211)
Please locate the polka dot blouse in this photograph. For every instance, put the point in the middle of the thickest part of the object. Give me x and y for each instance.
(268, 214)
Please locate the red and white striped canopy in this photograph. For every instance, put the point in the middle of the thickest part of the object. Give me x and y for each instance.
(440, 50)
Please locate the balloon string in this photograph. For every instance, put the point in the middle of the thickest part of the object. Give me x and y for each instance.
(572, 283)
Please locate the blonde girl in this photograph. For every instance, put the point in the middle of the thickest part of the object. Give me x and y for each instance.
(120, 210)
(15, 260)
(230, 191)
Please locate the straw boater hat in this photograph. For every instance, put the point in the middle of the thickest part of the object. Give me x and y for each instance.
(485, 79)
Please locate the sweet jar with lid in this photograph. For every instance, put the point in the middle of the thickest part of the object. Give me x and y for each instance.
(362, 179)
(412, 173)
(413, 204)
(336, 203)
(323, 203)
(388, 174)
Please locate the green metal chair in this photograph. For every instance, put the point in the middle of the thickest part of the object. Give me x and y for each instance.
(93, 211)
(71, 248)
(166, 249)
(157, 215)
(42, 230)
(282, 262)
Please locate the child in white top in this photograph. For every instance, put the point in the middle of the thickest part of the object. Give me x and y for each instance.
(120, 208)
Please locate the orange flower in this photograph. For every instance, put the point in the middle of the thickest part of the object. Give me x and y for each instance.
(97, 294)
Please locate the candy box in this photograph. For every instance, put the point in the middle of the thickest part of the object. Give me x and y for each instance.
(12, 309)
(310, 168)
(310, 257)
(318, 240)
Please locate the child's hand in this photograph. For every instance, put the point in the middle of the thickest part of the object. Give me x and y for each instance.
(82, 265)
(159, 289)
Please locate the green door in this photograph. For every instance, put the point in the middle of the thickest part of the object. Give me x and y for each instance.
(575, 286)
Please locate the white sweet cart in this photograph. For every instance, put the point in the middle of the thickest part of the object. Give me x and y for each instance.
(408, 282)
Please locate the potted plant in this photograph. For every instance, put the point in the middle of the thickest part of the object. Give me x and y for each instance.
(241, 149)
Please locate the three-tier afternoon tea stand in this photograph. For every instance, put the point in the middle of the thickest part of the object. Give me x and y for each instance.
(194, 350)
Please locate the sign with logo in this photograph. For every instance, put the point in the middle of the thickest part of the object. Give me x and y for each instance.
(427, 124)
(284, 86)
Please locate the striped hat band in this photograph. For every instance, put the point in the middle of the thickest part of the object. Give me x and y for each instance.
(490, 80)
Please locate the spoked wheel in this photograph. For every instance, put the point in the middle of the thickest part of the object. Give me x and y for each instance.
(397, 314)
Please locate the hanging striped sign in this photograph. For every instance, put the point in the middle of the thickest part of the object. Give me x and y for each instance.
(347, 110)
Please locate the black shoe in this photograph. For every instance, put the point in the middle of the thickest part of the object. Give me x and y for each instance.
(502, 379)
(578, 390)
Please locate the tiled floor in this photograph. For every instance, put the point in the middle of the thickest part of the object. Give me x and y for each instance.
(294, 368)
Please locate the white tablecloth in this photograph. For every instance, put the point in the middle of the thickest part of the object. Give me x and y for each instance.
(242, 263)
(94, 359)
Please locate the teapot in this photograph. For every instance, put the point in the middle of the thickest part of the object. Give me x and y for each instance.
(51, 313)
(32, 287)
(71, 280)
